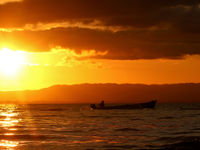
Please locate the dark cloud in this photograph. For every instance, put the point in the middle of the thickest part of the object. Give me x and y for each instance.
(120, 45)
(157, 28)
(139, 13)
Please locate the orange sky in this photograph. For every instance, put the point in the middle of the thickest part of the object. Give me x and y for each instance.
(48, 42)
(44, 69)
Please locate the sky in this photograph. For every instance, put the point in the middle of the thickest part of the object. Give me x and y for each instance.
(50, 42)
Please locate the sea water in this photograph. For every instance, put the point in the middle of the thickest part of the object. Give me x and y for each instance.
(77, 127)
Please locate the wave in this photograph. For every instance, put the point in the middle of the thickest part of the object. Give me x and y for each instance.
(24, 137)
(196, 129)
(118, 146)
(55, 109)
(127, 129)
(168, 117)
(179, 138)
(190, 143)
(193, 108)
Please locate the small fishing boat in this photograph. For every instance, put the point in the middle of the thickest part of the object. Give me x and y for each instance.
(150, 104)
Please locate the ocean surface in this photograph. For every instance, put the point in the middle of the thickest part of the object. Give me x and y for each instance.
(77, 127)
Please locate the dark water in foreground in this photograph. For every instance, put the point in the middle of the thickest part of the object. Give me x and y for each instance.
(76, 127)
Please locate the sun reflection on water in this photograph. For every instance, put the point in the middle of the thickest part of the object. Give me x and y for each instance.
(8, 144)
(8, 122)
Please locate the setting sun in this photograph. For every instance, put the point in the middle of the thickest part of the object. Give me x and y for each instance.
(10, 61)
(99, 74)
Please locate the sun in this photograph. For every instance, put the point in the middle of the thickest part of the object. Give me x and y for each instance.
(11, 61)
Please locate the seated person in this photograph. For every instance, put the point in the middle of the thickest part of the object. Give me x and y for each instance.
(101, 104)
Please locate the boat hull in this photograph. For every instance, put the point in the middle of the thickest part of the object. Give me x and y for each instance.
(150, 104)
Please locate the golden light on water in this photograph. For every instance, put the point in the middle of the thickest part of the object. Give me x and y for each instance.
(8, 123)
(8, 144)
(9, 134)
(8, 114)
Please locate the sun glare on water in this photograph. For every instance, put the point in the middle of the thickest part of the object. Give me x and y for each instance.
(11, 61)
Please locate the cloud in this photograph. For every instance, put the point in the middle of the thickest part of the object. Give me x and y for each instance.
(125, 29)
(96, 25)
(8, 1)
(130, 45)
(135, 13)
(59, 57)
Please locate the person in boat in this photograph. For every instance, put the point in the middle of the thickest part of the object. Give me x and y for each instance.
(101, 104)
(93, 106)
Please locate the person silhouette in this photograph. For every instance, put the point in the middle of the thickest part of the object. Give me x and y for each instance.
(101, 104)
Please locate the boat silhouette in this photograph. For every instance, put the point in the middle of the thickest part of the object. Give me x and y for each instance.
(150, 104)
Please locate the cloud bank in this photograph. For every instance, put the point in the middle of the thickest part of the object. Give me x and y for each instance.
(124, 29)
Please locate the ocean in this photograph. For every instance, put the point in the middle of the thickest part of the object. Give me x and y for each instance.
(77, 127)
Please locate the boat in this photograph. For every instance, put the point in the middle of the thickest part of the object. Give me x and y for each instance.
(150, 104)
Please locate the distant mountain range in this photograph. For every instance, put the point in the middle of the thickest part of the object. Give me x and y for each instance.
(110, 93)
